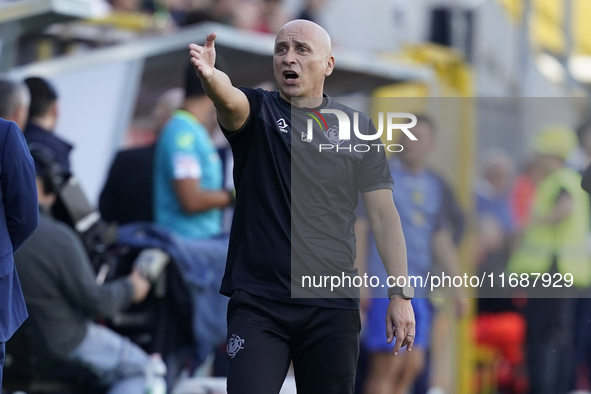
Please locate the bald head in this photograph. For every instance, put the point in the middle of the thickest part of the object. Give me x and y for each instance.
(302, 59)
(313, 30)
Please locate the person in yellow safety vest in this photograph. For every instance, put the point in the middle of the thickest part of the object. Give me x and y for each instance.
(559, 223)
(553, 242)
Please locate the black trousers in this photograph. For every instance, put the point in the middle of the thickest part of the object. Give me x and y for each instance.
(265, 335)
(550, 337)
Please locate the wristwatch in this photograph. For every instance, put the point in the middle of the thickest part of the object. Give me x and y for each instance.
(406, 292)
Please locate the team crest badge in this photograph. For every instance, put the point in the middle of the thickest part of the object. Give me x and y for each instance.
(332, 134)
(235, 344)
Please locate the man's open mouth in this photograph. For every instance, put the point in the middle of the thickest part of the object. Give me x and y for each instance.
(290, 77)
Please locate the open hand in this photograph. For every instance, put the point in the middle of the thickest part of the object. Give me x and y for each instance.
(203, 57)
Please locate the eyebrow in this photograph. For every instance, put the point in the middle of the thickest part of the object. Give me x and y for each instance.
(302, 44)
(285, 43)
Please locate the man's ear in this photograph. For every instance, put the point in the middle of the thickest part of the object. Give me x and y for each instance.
(20, 116)
(54, 109)
(329, 66)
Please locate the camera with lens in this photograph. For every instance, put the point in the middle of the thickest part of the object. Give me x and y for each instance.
(73, 208)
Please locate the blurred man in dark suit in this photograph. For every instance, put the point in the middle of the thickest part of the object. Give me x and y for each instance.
(18, 219)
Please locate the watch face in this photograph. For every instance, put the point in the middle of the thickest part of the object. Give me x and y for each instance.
(408, 292)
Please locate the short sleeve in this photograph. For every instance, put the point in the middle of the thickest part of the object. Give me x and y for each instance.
(181, 154)
(374, 170)
(254, 97)
(184, 166)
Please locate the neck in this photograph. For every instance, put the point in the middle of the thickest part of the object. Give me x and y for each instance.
(285, 98)
(46, 122)
(303, 102)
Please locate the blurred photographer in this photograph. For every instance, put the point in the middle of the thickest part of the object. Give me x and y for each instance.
(62, 295)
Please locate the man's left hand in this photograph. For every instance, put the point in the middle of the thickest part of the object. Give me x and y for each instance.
(400, 322)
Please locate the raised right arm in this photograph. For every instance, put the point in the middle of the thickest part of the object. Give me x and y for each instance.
(231, 104)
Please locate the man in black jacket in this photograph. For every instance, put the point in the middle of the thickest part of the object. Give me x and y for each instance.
(62, 297)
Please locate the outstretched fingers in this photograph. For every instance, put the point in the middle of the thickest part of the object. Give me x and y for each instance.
(203, 57)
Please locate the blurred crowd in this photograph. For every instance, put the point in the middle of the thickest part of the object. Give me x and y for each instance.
(125, 19)
(175, 193)
(123, 297)
(536, 219)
